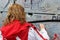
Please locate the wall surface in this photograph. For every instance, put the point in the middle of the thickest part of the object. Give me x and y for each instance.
(36, 6)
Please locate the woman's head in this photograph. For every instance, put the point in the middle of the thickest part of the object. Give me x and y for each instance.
(15, 12)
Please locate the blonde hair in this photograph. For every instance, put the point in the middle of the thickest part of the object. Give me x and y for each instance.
(15, 12)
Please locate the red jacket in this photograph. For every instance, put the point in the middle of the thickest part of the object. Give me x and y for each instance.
(14, 29)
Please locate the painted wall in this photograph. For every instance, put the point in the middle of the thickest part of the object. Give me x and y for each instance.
(36, 6)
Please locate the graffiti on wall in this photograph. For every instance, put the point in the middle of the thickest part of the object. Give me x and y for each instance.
(36, 6)
(49, 6)
(4, 4)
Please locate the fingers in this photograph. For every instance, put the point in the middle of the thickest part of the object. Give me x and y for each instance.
(42, 26)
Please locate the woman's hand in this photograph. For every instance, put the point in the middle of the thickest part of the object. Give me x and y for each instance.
(42, 26)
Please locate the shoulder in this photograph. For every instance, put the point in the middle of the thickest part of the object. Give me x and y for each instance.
(11, 25)
(16, 22)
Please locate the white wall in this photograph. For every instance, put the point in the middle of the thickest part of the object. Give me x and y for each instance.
(49, 6)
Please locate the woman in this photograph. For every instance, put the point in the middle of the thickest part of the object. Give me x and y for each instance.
(15, 26)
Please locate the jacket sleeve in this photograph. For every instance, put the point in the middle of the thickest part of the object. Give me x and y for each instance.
(45, 34)
(34, 36)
